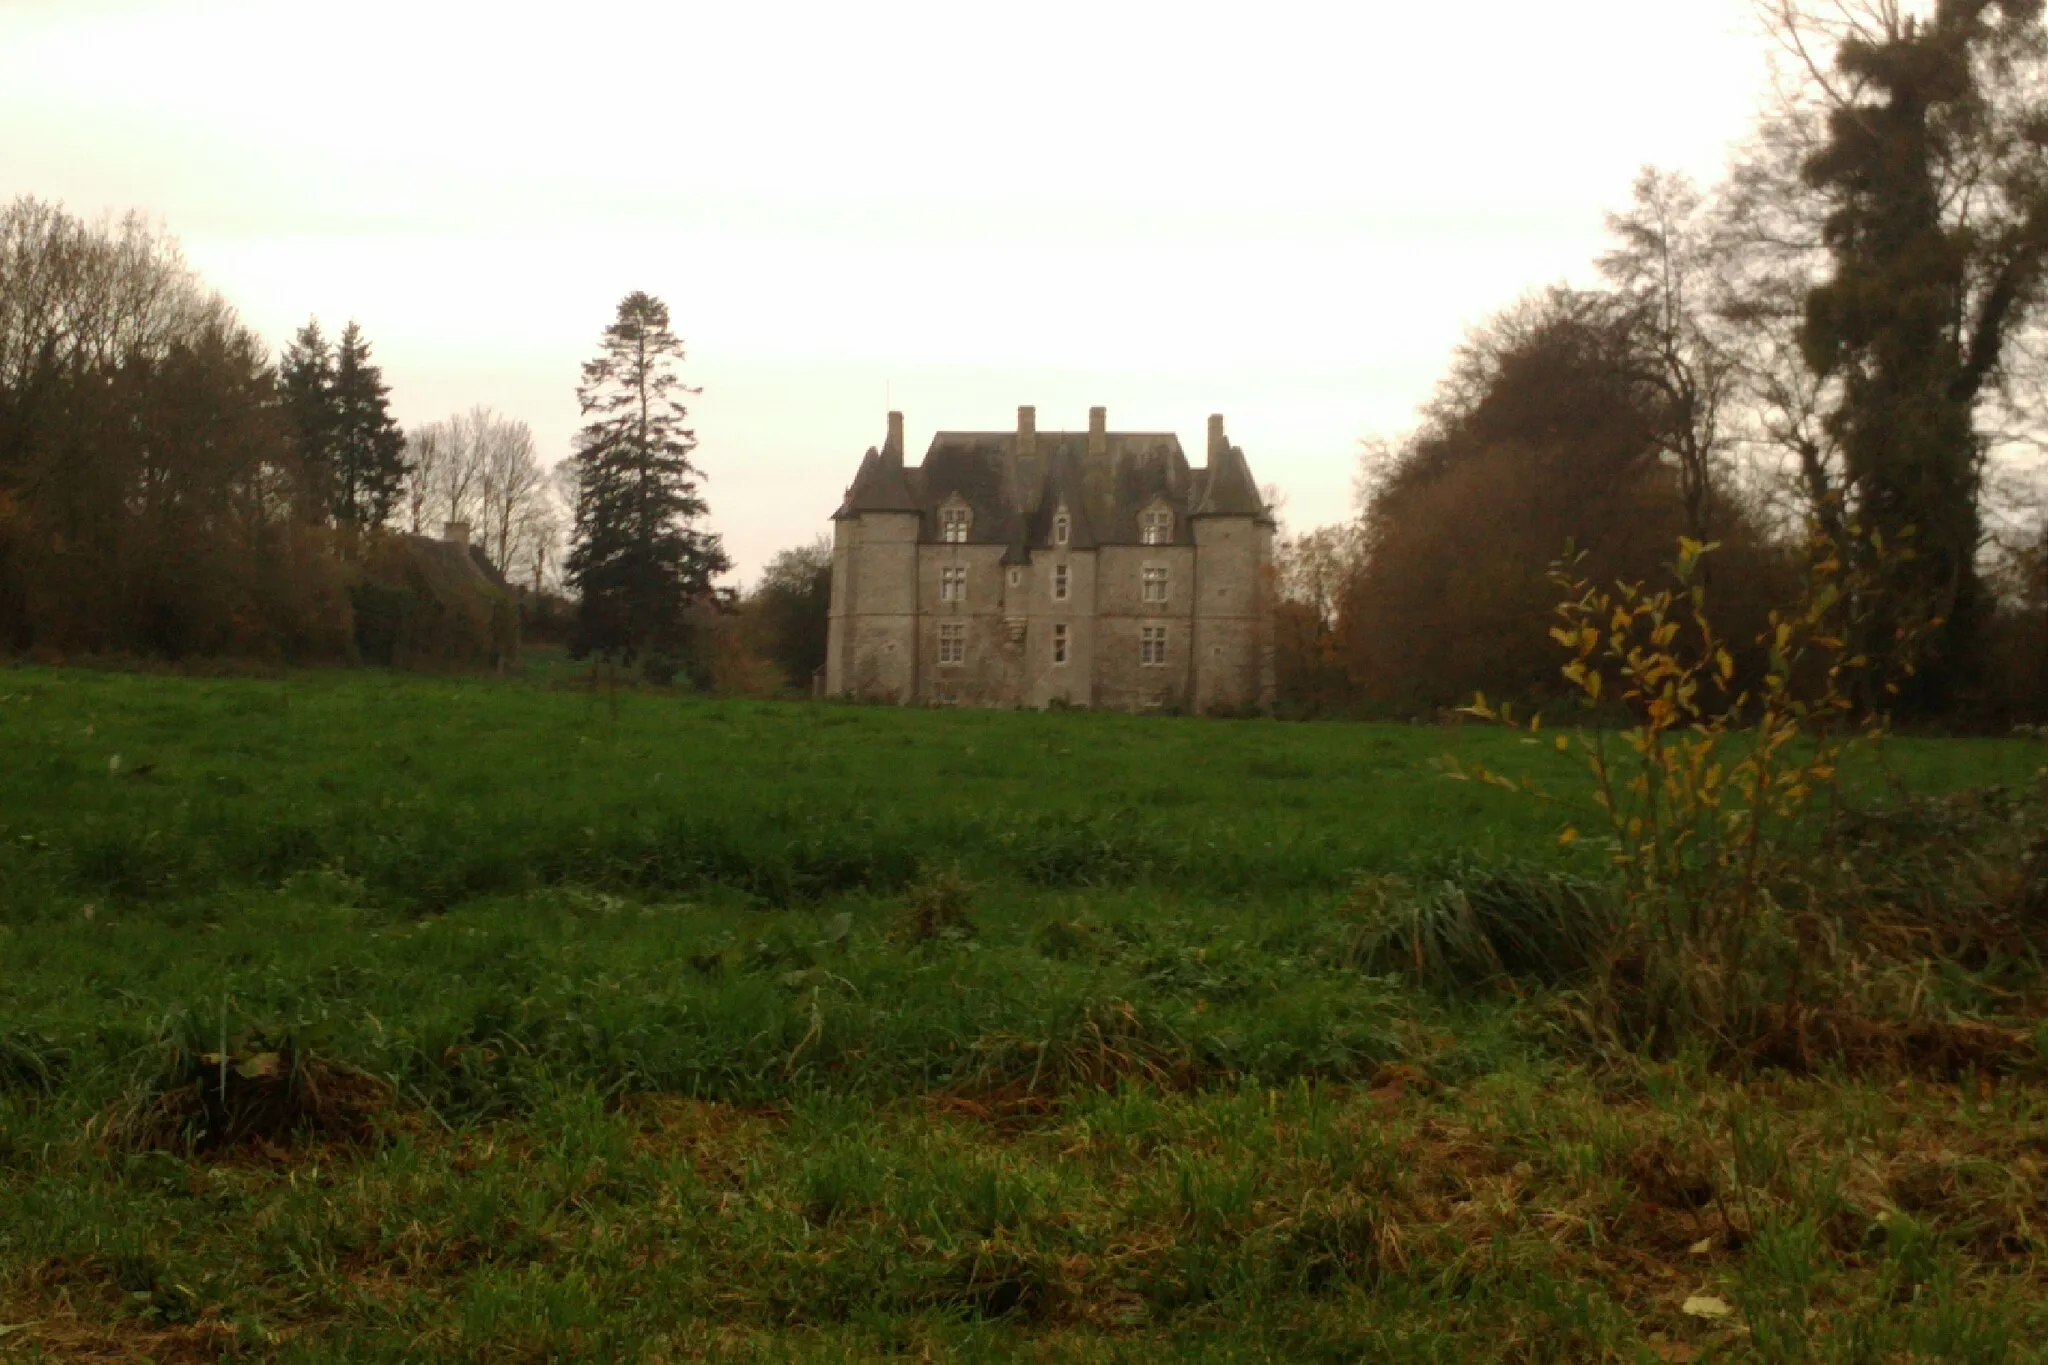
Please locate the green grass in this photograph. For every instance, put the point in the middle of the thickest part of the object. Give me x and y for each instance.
(644, 1054)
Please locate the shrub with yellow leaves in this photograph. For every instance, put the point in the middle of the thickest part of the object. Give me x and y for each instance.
(1706, 793)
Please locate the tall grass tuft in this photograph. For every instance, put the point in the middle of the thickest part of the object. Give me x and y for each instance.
(1478, 925)
(31, 1063)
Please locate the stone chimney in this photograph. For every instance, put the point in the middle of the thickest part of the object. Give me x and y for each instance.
(1218, 444)
(456, 533)
(1098, 433)
(893, 448)
(1026, 472)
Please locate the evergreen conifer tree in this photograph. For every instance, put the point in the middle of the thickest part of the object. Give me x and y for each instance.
(339, 408)
(368, 455)
(638, 559)
(306, 375)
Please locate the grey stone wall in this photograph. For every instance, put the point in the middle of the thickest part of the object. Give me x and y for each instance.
(1231, 618)
(1122, 679)
(987, 676)
(1072, 683)
(877, 628)
(887, 610)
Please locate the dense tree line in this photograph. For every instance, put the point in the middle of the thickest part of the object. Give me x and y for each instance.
(1841, 337)
(165, 489)
(151, 495)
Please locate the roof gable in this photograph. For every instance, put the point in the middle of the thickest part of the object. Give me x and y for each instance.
(1105, 489)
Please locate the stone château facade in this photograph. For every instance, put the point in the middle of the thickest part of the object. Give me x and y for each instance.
(1033, 568)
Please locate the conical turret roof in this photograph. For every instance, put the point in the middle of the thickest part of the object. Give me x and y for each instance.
(1230, 491)
(881, 486)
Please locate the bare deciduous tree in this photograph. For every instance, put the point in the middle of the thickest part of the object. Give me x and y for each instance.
(513, 489)
(75, 292)
(426, 449)
(480, 469)
(1668, 270)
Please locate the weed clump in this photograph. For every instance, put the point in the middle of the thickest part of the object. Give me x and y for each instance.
(995, 1281)
(200, 1102)
(31, 1063)
(937, 908)
(1067, 940)
(1097, 1045)
(1328, 1246)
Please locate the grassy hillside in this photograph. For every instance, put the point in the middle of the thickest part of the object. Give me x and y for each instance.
(395, 1019)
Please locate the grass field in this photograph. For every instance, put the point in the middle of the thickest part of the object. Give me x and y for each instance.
(367, 1017)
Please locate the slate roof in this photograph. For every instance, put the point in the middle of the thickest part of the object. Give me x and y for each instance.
(880, 486)
(1105, 496)
(1229, 491)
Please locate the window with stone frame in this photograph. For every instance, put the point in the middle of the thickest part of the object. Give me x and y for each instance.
(954, 523)
(1062, 527)
(1156, 526)
(952, 645)
(1061, 583)
(1152, 647)
(1060, 640)
(1155, 583)
(953, 584)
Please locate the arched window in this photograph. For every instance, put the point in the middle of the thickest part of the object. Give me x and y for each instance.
(1062, 527)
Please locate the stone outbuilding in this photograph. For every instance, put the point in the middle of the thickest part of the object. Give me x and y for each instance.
(1029, 568)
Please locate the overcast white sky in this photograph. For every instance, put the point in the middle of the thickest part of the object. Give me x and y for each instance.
(1285, 213)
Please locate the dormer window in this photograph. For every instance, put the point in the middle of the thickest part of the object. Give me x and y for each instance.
(954, 521)
(1156, 526)
(1062, 528)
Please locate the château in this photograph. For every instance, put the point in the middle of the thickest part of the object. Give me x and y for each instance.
(1029, 568)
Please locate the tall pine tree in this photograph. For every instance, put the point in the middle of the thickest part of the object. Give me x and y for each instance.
(368, 458)
(340, 412)
(638, 561)
(306, 374)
